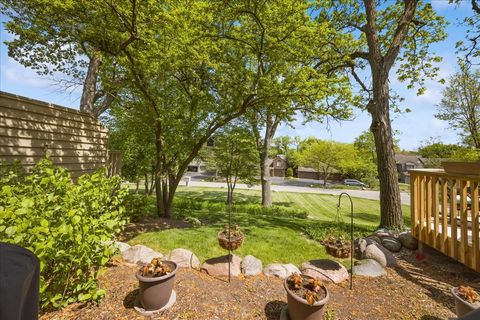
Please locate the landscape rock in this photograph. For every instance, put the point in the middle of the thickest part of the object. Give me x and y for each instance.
(183, 258)
(122, 246)
(218, 267)
(368, 268)
(408, 241)
(325, 270)
(140, 254)
(251, 266)
(280, 270)
(377, 252)
(383, 233)
(392, 244)
(375, 238)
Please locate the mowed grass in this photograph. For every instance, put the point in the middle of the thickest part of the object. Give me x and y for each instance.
(269, 238)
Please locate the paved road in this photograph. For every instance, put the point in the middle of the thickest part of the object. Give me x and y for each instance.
(366, 194)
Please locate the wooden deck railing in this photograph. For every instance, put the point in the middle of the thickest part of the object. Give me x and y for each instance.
(445, 213)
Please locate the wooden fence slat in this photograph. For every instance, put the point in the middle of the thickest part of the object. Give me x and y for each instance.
(444, 247)
(463, 222)
(428, 206)
(435, 212)
(475, 227)
(421, 200)
(453, 219)
(413, 204)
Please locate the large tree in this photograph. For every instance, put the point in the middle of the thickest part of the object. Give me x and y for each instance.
(460, 104)
(234, 156)
(289, 48)
(74, 42)
(387, 33)
(325, 157)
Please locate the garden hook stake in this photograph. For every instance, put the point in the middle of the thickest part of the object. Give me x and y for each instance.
(351, 233)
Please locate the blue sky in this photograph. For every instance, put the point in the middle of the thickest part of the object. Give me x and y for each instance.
(415, 127)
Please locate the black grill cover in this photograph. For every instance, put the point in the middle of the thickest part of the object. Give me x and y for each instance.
(19, 283)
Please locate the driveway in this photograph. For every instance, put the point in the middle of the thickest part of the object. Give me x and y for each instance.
(366, 194)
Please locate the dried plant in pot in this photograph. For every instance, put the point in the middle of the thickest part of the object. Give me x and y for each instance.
(156, 283)
(337, 247)
(466, 300)
(307, 297)
(230, 238)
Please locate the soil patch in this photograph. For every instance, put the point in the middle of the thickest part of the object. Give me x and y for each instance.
(414, 290)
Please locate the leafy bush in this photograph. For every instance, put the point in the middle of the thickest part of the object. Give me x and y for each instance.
(68, 226)
(289, 173)
(138, 206)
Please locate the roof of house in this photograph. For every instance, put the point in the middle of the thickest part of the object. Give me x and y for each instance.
(306, 169)
(405, 158)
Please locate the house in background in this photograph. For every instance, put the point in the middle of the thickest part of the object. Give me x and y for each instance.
(278, 166)
(312, 174)
(407, 162)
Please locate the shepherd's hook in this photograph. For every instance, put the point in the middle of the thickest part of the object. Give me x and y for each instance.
(351, 234)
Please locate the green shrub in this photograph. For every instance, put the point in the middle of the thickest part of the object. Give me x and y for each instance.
(289, 173)
(138, 206)
(68, 226)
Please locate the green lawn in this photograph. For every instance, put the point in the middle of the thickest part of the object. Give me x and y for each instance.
(268, 237)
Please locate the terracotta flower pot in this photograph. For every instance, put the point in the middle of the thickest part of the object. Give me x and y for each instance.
(299, 309)
(462, 307)
(155, 291)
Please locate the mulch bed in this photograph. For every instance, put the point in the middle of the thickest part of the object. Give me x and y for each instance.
(415, 290)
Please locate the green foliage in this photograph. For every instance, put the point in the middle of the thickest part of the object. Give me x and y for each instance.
(234, 155)
(341, 230)
(138, 206)
(68, 226)
(436, 151)
(193, 221)
(289, 173)
(460, 104)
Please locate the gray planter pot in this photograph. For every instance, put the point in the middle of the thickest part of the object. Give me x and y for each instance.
(299, 309)
(155, 292)
(462, 307)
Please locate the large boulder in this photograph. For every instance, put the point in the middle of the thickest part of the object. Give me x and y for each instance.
(183, 258)
(325, 270)
(280, 270)
(251, 266)
(369, 249)
(368, 268)
(121, 246)
(140, 254)
(219, 266)
(384, 257)
(408, 241)
(392, 244)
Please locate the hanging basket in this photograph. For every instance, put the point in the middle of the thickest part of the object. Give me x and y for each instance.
(338, 248)
(233, 243)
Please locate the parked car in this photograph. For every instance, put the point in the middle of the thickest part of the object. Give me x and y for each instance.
(353, 182)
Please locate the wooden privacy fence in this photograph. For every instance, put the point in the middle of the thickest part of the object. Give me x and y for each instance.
(31, 129)
(445, 213)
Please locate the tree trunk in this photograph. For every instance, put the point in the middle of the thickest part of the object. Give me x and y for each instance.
(390, 205)
(137, 185)
(146, 185)
(265, 178)
(87, 101)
